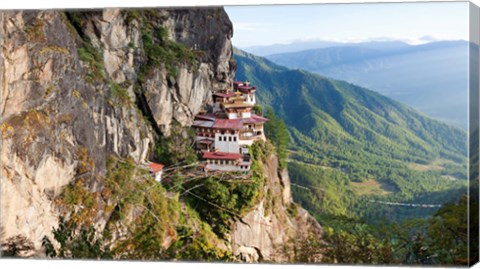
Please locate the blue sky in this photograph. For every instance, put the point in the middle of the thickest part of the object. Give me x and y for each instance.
(414, 23)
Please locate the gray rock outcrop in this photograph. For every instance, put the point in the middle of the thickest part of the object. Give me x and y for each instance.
(59, 112)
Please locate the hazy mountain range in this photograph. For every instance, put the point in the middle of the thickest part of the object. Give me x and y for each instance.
(432, 78)
(317, 44)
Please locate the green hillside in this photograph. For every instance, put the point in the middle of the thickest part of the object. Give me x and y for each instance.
(352, 145)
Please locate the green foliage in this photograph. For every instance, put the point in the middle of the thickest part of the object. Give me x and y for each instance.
(94, 58)
(195, 241)
(132, 15)
(276, 131)
(229, 199)
(162, 52)
(216, 193)
(440, 240)
(82, 202)
(77, 194)
(76, 20)
(120, 93)
(260, 150)
(86, 51)
(355, 247)
(448, 233)
(292, 210)
(331, 191)
(121, 186)
(201, 249)
(258, 109)
(176, 148)
(76, 243)
(128, 189)
(152, 227)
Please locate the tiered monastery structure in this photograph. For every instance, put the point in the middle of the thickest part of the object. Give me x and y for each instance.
(224, 134)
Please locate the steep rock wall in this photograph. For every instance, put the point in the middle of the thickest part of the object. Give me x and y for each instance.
(63, 113)
(271, 230)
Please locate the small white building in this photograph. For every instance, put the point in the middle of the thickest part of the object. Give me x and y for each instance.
(248, 92)
(224, 161)
(227, 142)
(156, 169)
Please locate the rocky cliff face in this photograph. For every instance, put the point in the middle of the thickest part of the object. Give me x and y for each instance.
(276, 225)
(79, 87)
(63, 113)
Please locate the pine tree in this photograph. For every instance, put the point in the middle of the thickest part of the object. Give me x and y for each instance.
(276, 131)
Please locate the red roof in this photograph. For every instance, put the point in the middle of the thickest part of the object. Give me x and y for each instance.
(208, 116)
(224, 95)
(205, 141)
(246, 88)
(233, 124)
(155, 167)
(222, 156)
(254, 119)
(202, 124)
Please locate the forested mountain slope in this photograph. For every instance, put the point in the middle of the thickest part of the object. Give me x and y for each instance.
(363, 143)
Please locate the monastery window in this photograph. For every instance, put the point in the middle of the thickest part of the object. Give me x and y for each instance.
(234, 139)
(230, 139)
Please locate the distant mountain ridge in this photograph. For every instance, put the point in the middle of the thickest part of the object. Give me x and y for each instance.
(432, 78)
(318, 44)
